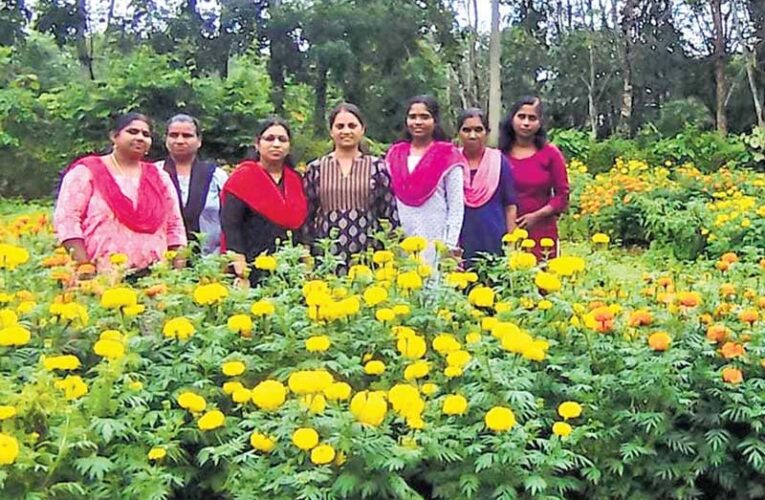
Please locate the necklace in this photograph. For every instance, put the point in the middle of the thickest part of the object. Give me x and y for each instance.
(117, 164)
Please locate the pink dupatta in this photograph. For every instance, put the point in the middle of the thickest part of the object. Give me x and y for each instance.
(480, 188)
(415, 188)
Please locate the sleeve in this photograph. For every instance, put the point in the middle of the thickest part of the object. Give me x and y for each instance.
(232, 216)
(507, 185)
(560, 187)
(311, 187)
(455, 205)
(384, 201)
(176, 230)
(72, 203)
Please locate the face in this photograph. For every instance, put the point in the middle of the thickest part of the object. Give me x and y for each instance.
(526, 121)
(182, 140)
(274, 144)
(473, 134)
(420, 122)
(133, 140)
(346, 130)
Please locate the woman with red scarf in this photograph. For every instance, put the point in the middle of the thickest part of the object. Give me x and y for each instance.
(118, 203)
(262, 199)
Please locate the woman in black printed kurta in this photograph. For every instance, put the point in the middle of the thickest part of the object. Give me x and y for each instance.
(347, 190)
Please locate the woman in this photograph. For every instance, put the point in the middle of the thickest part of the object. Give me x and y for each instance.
(539, 172)
(347, 190)
(262, 199)
(118, 203)
(198, 184)
(490, 204)
(427, 179)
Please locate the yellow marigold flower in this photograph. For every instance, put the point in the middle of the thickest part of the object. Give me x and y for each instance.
(309, 381)
(659, 341)
(566, 265)
(454, 404)
(385, 314)
(489, 323)
(305, 438)
(375, 295)
(360, 272)
(322, 454)
(73, 387)
(600, 238)
(444, 343)
(211, 420)
(26, 307)
(527, 243)
(269, 394)
(516, 340)
(382, 257)
(157, 453)
(314, 403)
(544, 305)
(429, 388)
(414, 244)
(473, 337)
(7, 411)
(481, 296)
(452, 371)
(457, 280)
(547, 242)
(416, 370)
(369, 408)
(180, 328)
(231, 387)
(261, 442)
(12, 256)
(116, 298)
(9, 449)
(263, 308)
(401, 310)
(111, 349)
(409, 280)
(241, 395)
(521, 261)
(70, 312)
(134, 310)
(8, 318)
(412, 347)
(192, 402)
(547, 282)
(374, 367)
(118, 259)
(536, 351)
(338, 391)
(233, 368)
(265, 263)
(561, 429)
(210, 294)
(458, 358)
(317, 343)
(64, 362)
(15, 335)
(240, 323)
(499, 419)
(135, 385)
(569, 409)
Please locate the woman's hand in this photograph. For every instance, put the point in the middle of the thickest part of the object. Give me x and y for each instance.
(528, 221)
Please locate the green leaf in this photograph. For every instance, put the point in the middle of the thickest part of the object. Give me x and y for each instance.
(94, 467)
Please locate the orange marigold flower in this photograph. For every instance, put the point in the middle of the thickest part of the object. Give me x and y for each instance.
(717, 333)
(659, 341)
(721, 265)
(689, 299)
(86, 269)
(664, 281)
(729, 257)
(641, 317)
(749, 316)
(706, 319)
(732, 375)
(732, 350)
(155, 290)
(56, 260)
(727, 289)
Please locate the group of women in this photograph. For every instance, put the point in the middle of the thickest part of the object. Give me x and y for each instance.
(467, 198)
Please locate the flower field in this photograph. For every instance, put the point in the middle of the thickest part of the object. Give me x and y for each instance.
(605, 373)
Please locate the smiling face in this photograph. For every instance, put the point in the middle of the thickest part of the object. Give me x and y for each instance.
(347, 131)
(526, 122)
(274, 144)
(473, 135)
(134, 140)
(420, 122)
(182, 140)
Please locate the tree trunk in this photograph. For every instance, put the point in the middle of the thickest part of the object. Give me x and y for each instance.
(751, 68)
(495, 89)
(719, 66)
(320, 100)
(625, 113)
(84, 54)
(591, 108)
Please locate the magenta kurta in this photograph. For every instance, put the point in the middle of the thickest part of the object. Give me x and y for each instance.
(540, 180)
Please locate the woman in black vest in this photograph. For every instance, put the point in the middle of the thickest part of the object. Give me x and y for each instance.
(197, 183)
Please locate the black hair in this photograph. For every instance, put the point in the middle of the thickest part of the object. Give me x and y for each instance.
(434, 109)
(348, 108)
(183, 118)
(472, 113)
(272, 121)
(507, 133)
(122, 121)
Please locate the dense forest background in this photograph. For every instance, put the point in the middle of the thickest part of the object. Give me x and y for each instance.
(615, 75)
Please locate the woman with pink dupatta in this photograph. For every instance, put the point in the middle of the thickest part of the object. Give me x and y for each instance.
(490, 202)
(427, 179)
(119, 203)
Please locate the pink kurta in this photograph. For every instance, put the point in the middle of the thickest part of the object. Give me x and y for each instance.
(81, 212)
(541, 179)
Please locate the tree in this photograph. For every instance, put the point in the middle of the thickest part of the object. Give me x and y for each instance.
(495, 90)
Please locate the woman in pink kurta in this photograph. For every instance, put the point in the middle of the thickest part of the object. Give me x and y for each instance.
(539, 172)
(118, 203)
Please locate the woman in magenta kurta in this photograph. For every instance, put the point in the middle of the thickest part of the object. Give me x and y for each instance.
(119, 203)
(539, 172)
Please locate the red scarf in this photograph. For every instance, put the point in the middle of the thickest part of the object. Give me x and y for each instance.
(482, 186)
(416, 188)
(151, 210)
(252, 184)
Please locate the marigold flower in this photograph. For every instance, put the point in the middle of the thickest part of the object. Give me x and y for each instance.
(116, 298)
(210, 294)
(9, 449)
(374, 367)
(15, 335)
(369, 408)
(641, 317)
(458, 358)
(155, 290)
(659, 341)
(416, 370)
(269, 394)
(689, 299)
(232, 386)
(717, 333)
(211, 420)
(547, 242)
(429, 388)
(118, 259)
(241, 395)
(405, 399)
(314, 403)
(108, 348)
(382, 257)
(516, 341)
(521, 261)
(473, 338)
(749, 316)
(8, 318)
(414, 244)
(305, 438)
(732, 350)
(569, 409)
(192, 402)
(12, 256)
(265, 263)
(412, 346)
(561, 429)
(454, 404)
(499, 419)
(544, 305)
(7, 411)
(727, 290)
(732, 375)
(180, 328)
(322, 454)
(157, 453)
(64, 362)
(263, 308)
(240, 323)
(453, 371)
(359, 271)
(338, 391)
(261, 442)
(547, 282)
(481, 296)
(385, 314)
(309, 381)
(600, 239)
(409, 280)
(233, 368)
(375, 295)
(73, 387)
